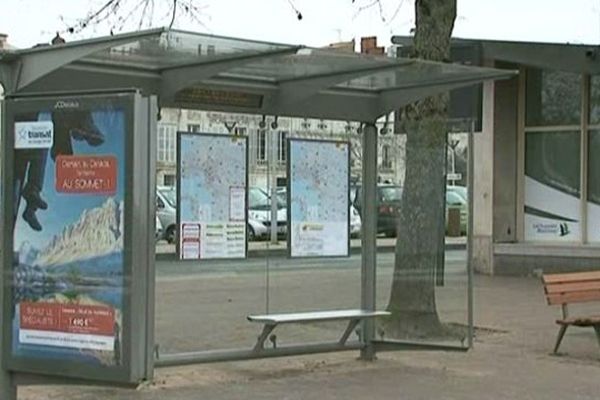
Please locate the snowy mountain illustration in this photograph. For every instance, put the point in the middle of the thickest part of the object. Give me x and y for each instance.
(97, 233)
(27, 253)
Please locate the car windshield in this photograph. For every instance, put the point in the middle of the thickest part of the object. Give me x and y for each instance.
(454, 199)
(170, 195)
(460, 190)
(391, 193)
(257, 199)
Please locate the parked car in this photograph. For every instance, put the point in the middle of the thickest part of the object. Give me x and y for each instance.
(389, 198)
(256, 230)
(460, 190)
(259, 210)
(355, 222)
(455, 200)
(159, 232)
(166, 211)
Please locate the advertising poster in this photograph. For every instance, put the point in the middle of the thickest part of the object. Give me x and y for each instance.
(212, 196)
(319, 198)
(68, 228)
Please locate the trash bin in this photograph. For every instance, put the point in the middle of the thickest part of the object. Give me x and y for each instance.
(453, 227)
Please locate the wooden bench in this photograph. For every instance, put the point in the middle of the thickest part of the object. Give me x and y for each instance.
(576, 287)
(271, 321)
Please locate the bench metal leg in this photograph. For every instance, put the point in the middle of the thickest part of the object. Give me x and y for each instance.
(561, 334)
(351, 326)
(260, 342)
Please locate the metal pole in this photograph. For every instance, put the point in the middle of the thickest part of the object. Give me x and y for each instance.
(272, 155)
(369, 236)
(470, 180)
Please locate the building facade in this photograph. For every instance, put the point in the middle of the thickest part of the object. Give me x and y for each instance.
(267, 155)
(536, 194)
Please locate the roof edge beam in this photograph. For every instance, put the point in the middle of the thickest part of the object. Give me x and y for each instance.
(394, 98)
(36, 64)
(179, 77)
(572, 58)
(295, 90)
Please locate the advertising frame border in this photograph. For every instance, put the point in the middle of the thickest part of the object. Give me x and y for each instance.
(136, 366)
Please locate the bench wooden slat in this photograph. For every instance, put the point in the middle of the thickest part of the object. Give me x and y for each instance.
(572, 287)
(574, 297)
(571, 277)
(314, 316)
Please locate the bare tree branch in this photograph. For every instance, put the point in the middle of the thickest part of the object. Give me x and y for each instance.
(117, 14)
(380, 6)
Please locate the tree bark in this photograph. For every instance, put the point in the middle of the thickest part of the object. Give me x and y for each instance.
(421, 230)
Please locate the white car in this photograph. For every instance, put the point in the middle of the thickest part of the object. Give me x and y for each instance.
(166, 211)
(159, 233)
(355, 222)
(256, 230)
(259, 210)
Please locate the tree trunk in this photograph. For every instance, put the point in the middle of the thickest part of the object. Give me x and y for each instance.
(421, 231)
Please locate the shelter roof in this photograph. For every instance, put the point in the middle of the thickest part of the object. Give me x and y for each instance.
(194, 70)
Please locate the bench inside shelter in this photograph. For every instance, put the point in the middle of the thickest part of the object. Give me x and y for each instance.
(353, 316)
(569, 288)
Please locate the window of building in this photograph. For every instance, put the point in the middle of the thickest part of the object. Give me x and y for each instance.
(193, 128)
(552, 186)
(594, 107)
(552, 98)
(167, 140)
(169, 180)
(261, 147)
(593, 189)
(282, 146)
(386, 160)
(240, 131)
(553, 133)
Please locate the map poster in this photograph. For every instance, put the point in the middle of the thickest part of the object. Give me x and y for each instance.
(319, 208)
(212, 195)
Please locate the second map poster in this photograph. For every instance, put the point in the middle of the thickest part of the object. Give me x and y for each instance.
(319, 209)
(212, 196)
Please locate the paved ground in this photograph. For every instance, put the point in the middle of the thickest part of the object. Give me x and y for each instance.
(511, 358)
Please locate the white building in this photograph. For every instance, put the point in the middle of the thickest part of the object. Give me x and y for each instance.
(271, 144)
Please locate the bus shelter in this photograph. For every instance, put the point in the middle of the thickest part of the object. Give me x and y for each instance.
(52, 329)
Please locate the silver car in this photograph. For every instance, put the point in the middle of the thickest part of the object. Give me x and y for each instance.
(166, 211)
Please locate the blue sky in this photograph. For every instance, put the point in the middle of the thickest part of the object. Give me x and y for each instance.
(577, 21)
(63, 208)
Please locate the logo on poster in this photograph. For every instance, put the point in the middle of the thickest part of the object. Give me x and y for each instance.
(34, 135)
(552, 228)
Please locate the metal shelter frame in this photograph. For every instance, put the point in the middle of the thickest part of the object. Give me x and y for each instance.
(191, 70)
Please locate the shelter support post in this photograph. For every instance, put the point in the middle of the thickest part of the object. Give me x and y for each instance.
(369, 236)
(8, 387)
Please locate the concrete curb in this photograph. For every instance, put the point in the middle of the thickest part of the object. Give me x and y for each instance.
(264, 253)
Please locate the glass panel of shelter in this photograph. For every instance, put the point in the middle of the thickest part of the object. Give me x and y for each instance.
(425, 283)
(224, 293)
